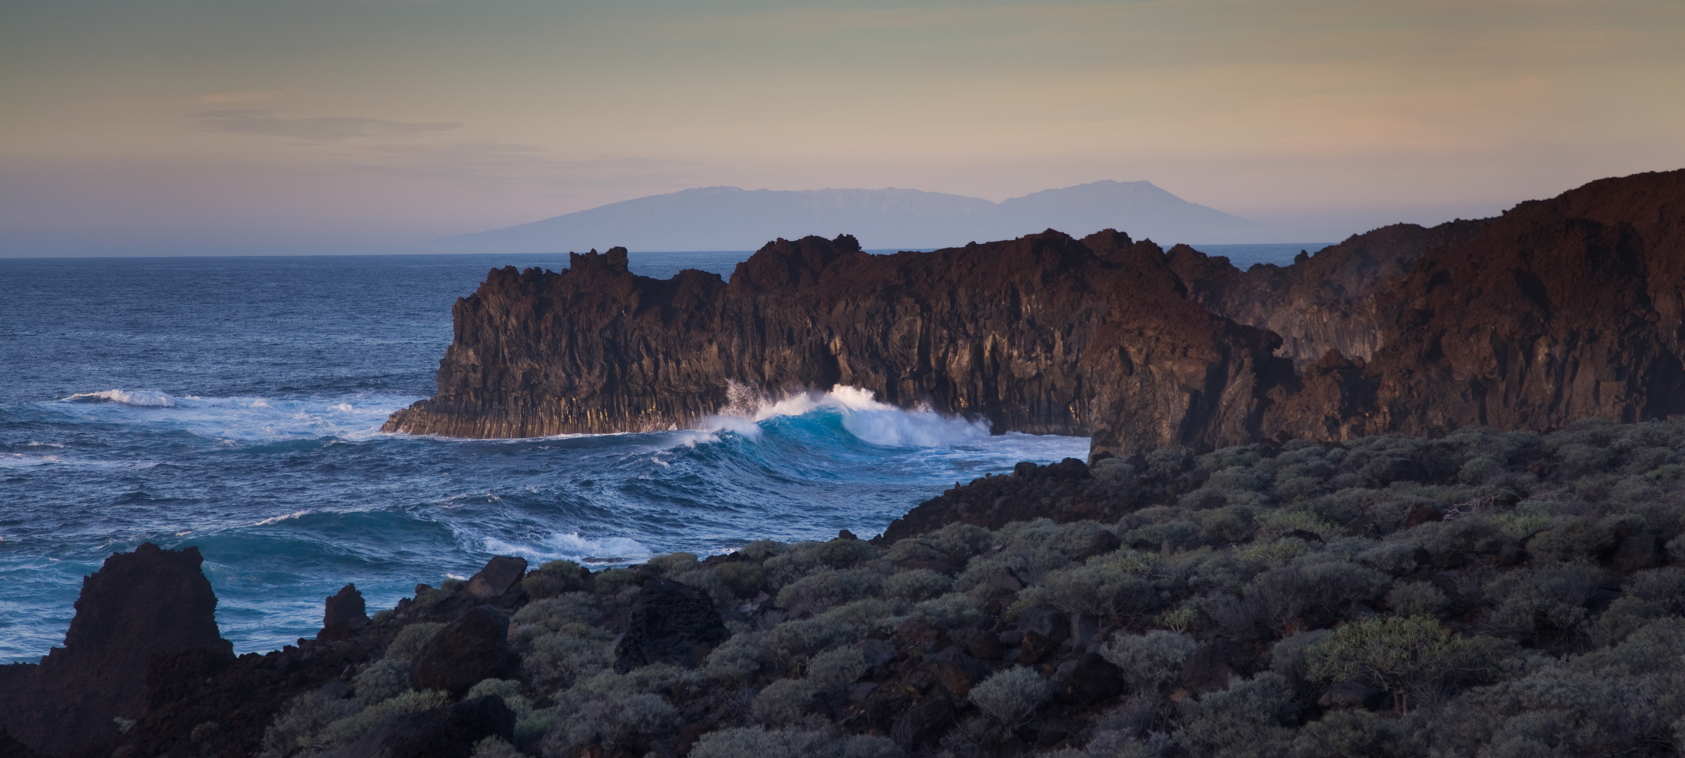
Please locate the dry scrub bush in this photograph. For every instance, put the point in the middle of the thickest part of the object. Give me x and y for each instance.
(294, 729)
(495, 747)
(917, 585)
(755, 742)
(1102, 590)
(1012, 696)
(784, 702)
(1246, 720)
(352, 728)
(382, 680)
(410, 640)
(745, 579)
(1150, 661)
(1416, 599)
(1408, 657)
(822, 591)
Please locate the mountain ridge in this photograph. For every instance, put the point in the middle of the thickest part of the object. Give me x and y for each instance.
(732, 218)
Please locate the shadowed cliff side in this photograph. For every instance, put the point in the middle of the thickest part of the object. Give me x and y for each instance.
(992, 331)
(1558, 310)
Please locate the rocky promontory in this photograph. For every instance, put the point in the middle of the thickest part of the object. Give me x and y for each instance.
(1558, 310)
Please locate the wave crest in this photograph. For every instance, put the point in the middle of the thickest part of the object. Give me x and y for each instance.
(861, 413)
(136, 398)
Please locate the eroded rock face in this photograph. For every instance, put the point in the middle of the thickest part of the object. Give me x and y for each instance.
(671, 623)
(137, 605)
(1558, 310)
(472, 648)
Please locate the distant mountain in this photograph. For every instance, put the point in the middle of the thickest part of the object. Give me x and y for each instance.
(728, 218)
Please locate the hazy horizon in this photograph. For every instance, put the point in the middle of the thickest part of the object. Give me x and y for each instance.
(213, 128)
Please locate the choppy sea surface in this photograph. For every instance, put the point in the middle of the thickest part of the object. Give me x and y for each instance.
(235, 404)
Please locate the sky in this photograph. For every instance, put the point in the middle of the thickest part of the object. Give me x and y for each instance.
(138, 127)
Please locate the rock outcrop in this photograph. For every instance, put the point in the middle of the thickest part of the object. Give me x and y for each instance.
(137, 606)
(1558, 310)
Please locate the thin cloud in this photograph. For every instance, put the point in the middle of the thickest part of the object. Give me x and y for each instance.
(319, 129)
(509, 165)
(234, 98)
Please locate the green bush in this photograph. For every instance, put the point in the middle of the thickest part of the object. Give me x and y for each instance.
(409, 641)
(761, 743)
(1405, 656)
(916, 585)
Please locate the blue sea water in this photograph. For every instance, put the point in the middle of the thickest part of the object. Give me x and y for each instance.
(235, 404)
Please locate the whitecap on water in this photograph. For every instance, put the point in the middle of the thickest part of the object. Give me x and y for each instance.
(571, 546)
(247, 419)
(863, 416)
(135, 398)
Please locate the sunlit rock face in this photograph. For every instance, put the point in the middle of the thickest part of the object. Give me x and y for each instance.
(1560, 309)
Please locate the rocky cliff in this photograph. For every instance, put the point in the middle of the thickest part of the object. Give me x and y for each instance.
(137, 606)
(1560, 309)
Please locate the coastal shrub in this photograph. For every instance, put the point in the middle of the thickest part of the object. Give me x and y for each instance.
(950, 611)
(606, 718)
(1227, 526)
(1011, 696)
(1149, 661)
(1416, 599)
(382, 680)
(1541, 604)
(495, 747)
(1579, 539)
(746, 579)
(553, 578)
(508, 689)
(1245, 720)
(784, 701)
(737, 660)
(565, 612)
(1102, 590)
(557, 660)
(1408, 657)
(760, 550)
(672, 565)
(1359, 733)
(1664, 586)
(824, 590)
(916, 585)
(835, 669)
(302, 718)
(614, 582)
(709, 581)
(763, 743)
(352, 728)
(409, 640)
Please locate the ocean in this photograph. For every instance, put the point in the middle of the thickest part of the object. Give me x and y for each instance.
(235, 404)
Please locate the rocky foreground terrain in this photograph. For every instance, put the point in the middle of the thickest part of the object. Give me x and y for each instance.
(1481, 594)
(1559, 310)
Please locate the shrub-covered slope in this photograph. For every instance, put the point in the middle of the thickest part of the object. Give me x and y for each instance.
(1490, 594)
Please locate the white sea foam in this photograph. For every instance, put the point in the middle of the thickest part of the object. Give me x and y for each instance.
(282, 517)
(245, 419)
(571, 546)
(863, 416)
(135, 398)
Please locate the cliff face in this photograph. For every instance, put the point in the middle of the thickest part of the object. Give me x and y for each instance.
(1562, 309)
(992, 331)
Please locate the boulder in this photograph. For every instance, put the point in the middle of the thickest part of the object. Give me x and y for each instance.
(671, 623)
(1090, 679)
(469, 649)
(1635, 553)
(499, 574)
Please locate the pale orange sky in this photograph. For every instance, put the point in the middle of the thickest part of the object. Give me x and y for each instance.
(153, 126)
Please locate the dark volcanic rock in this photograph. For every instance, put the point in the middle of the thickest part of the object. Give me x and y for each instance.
(345, 610)
(671, 623)
(499, 574)
(1559, 310)
(137, 605)
(472, 648)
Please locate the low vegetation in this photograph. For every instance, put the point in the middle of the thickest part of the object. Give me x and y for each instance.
(1490, 594)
